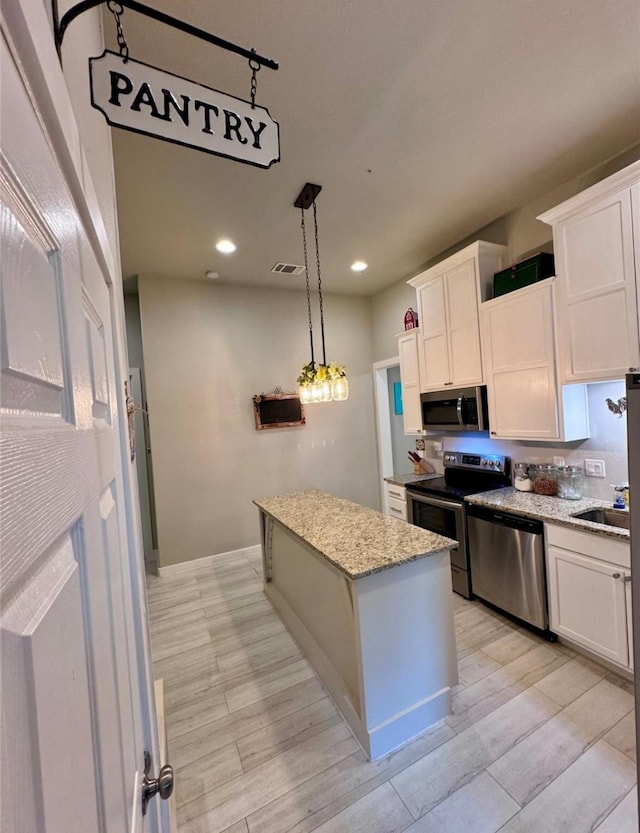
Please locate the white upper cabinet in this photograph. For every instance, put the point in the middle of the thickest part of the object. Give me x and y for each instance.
(526, 401)
(598, 276)
(448, 298)
(410, 380)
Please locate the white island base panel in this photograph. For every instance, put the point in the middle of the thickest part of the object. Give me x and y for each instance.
(383, 645)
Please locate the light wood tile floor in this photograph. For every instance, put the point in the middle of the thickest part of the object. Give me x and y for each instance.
(540, 738)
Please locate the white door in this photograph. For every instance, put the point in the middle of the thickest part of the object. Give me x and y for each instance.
(77, 705)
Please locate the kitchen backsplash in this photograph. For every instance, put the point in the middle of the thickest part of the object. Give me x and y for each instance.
(608, 442)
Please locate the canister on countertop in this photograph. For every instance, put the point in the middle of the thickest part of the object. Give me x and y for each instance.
(545, 479)
(621, 496)
(570, 482)
(521, 477)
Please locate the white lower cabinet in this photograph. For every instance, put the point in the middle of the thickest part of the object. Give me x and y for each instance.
(396, 501)
(589, 582)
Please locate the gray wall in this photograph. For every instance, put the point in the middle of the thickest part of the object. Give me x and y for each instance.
(208, 349)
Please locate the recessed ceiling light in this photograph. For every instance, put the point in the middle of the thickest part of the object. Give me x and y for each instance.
(358, 266)
(227, 247)
(213, 276)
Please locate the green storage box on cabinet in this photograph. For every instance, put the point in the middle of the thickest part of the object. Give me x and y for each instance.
(528, 271)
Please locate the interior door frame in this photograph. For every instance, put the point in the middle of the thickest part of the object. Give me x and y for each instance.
(383, 423)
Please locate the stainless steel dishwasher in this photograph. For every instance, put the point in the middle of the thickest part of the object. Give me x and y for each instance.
(506, 553)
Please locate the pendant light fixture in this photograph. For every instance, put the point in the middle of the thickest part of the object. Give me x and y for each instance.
(325, 382)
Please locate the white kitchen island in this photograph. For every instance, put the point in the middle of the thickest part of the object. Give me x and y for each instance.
(368, 599)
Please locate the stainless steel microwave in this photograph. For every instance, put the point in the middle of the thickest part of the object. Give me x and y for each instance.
(458, 409)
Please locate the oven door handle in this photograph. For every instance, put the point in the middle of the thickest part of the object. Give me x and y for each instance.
(459, 411)
(435, 501)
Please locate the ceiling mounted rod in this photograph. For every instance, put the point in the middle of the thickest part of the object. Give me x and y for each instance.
(61, 27)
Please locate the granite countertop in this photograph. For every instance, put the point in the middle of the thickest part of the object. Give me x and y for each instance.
(356, 540)
(550, 509)
(404, 479)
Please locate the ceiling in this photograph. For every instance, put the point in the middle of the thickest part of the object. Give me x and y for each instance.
(422, 121)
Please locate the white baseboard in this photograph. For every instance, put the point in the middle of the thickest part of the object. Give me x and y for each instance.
(199, 563)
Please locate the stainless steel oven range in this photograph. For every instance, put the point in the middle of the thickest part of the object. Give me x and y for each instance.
(437, 504)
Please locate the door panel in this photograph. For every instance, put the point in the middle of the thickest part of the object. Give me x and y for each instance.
(433, 335)
(32, 373)
(76, 716)
(49, 691)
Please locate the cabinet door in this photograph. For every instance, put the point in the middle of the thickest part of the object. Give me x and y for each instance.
(461, 303)
(433, 328)
(587, 603)
(398, 509)
(597, 308)
(519, 357)
(410, 378)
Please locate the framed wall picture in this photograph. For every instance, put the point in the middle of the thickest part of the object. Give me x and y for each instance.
(278, 410)
(397, 397)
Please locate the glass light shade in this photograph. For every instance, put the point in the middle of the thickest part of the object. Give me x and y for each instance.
(304, 392)
(340, 389)
(324, 391)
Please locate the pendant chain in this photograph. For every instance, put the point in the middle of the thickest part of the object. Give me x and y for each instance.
(306, 271)
(117, 10)
(255, 68)
(315, 226)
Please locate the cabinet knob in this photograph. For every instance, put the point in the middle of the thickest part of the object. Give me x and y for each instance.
(627, 578)
(615, 575)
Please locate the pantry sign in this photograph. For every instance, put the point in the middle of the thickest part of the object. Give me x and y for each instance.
(149, 100)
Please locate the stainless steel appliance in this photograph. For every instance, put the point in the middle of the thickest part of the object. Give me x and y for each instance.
(633, 446)
(458, 409)
(507, 562)
(437, 504)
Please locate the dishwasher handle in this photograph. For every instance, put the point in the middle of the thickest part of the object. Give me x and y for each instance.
(496, 516)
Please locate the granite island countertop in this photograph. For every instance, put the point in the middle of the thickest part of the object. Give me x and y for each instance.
(358, 541)
(550, 509)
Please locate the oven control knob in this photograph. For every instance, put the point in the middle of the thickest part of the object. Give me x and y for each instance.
(484, 462)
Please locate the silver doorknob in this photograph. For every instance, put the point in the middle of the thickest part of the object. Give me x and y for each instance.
(615, 575)
(162, 785)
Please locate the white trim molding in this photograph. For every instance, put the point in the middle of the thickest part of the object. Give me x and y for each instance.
(199, 563)
(601, 190)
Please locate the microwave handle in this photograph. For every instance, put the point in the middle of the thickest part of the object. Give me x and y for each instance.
(459, 410)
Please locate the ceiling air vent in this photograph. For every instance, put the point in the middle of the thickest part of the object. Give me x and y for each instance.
(288, 269)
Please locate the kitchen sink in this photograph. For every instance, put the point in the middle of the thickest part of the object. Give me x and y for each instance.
(611, 517)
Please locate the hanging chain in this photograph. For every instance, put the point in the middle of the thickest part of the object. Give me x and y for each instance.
(315, 226)
(255, 67)
(306, 271)
(117, 10)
